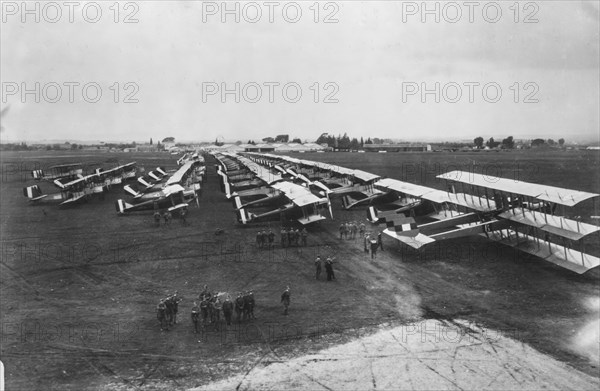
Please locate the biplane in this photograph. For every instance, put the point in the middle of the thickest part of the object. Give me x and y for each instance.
(70, 170)
(518, 214)
(74, 190)
(171, 198)
(189, 175)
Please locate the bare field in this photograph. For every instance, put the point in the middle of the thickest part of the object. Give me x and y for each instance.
(80, 284)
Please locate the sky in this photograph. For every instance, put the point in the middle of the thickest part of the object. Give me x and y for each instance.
(527, 71)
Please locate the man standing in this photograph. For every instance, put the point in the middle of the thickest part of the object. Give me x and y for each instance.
(285, 299)
(157, 218)
(379, 241)
(239, 307)
(251, 304)
(196, 317)
(318, 264)
(175, 306)
(162, 316)
(374, 246)
(228, 310)
(283, 236)
(304, 235)
(259, 239)
(182, 214)
(271, 239)
(329, 269)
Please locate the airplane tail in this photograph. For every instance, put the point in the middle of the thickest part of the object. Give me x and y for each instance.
(154, 176)
(161, 171)
(243, 216)
(226, 187)
(144, 182)
(122, 206)
(373, 215)
(238, 202)
(37, 174)
(132, 191)
(32, 192)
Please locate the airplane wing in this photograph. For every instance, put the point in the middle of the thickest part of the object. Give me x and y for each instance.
(552, 194)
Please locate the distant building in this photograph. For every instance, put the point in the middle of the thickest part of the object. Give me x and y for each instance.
(397, 147)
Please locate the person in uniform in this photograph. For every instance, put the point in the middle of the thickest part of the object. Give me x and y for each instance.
(283, 236)
(366, 242)
(204, 310)
(296, 237)
(374, 246)
(196, 317)
(239, 306)
(271, 239)
(169, 310)
(361, 229)
(182, 214)
(157, 218)
(205, 294)
(162, 316)
(342, 230)
(228, 310)
(304, 235)
(290, 236)
(215, 311)
(379, 241)
(285, 299)
(329, 268)
(251, 304)
(259, 239)
(318, 265)
(175, 299)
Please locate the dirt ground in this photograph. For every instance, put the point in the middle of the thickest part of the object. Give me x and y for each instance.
(79, 288)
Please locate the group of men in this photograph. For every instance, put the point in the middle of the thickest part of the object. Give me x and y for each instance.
(328, 268)
(167, 217)
(265, 239)
(166, 311)
(293, 236)
(349, 230)
(212, 303)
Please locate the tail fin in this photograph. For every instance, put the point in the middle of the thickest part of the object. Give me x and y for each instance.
(122, 206)
(32, 192)
(161, 171)
(227, 187)
(243, 216)
(372, 215)
(37, 174)
(144, 182)
(131, 191)
(238, 202)
(153, 175)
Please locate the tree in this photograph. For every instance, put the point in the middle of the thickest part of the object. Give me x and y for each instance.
(268, 140)
(561, 141)
(551, 142)
(491, 143)
(150, 140)
(282, 138)
(73, 146)
(478, 141)
(362, 142)
(508, 143)
(538, 142)
(297, 140)
(369, 141)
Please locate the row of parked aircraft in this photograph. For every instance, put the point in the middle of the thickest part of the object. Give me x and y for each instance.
(515, 213)
(73, 186)
(162, 191)
(260, 193)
